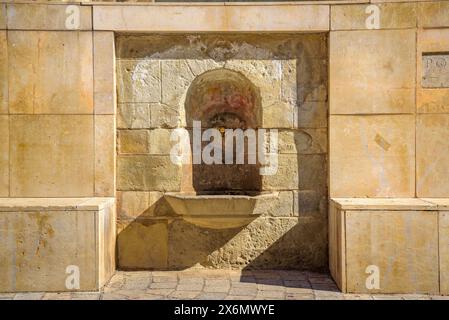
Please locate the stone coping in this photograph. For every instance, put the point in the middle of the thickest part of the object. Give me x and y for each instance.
(54, 204)
(392, 204)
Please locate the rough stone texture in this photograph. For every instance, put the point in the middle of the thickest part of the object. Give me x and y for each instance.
(3, 73)
(43, 169)
(53, 72)
(392, 16)
(444, 251)
(433, 14)
(133, 141)
(142, 244)
(104, 75)
(403, 244)
(380, 147)
(4, 156)
(289, 74)
(105, 168)
(38, 246)
(45, 17)
(143, 172)
(3, 16)
(289, 244)
(432, 158)
(386, 58)
(431, 100)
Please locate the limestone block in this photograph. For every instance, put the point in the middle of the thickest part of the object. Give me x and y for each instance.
(309, 203)
(337, 245)
(4, 156)
(432, 158)
(176, 79)
(133, 116)
(143, 245)
(278, 115)
(265, 243)
(39, 246)
(159, 141)
(312, 114)
(305, 141)
(164, 116)
(372, 156)
(49, 17)
(139, 81)
(359, 59)
(312, 172)
(198, 67)
(212, 18)
(3, 73)
(444, 251)
(133, 141)
(433, 14)
(51, 72)
(141, 204)
(431, 100)
(148, 172)
(104, 75)
(286, 175)
(312, 93)
(402, 244)
(105, 138)
(61, 168)
(282, 205)
(2, 16)
(392, 16)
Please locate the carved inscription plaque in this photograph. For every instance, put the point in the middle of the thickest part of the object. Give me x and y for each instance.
(435, 70)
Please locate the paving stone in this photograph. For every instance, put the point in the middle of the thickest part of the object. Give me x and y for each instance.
(299, 296)
(86, 296)
(57, 296)
(184, 294)
(163, 285)
(29, 296)
(211, 296)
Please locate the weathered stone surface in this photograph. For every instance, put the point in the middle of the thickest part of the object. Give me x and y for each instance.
(3, 73)
(431, 100)
(312, 172)
(145, 173)
(104, 73)
(382, 148)
(139, 81)
(280, 206)
(52, 72)
(3, 16)
(43, 169)
(133, 141)
(176, 78)
(444, 251)
(143, 245)
(312, 114)
(435, 73)
(48, 17)
(402, 244)
(159, 141)
(386, 58)
(306, 141)
(105, 149)
(392, 16)
(4, 156)
(212, 18)
(432, 158)
(309, 203)
(278, 115)
(283, 247)
(286, 176)
(164, 116)
(433, 14)
(133, 116)
(39, 246)
(132, 204)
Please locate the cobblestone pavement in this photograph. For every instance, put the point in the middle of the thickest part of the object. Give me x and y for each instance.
(216, 285)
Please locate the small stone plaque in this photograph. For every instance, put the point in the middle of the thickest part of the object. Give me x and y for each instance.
(435, 70)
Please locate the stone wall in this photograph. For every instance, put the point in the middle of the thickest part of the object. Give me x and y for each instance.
(154, 74)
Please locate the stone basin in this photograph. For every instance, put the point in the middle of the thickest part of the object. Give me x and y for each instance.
(217, 211)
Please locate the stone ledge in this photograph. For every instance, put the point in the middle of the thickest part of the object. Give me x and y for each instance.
(54, 204)
(384, 204)
(50, 244)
